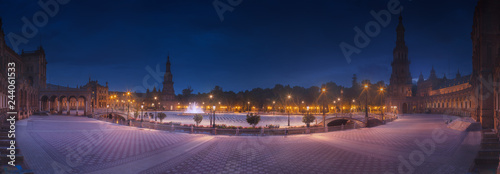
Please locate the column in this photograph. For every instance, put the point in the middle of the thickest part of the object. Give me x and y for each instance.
(85, 108)
(40, 108)
(67, 106)
(77, 103)
(58, 107)
(49, 105)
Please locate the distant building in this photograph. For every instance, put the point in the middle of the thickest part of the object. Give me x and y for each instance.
(476, 95)
(165, 98)
(431, 95)
(100, 95)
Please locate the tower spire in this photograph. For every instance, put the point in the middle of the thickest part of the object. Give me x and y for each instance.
(168, 63)
(433, 73)
(421, 77)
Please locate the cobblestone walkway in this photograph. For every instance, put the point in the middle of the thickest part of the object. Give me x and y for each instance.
(414, 143)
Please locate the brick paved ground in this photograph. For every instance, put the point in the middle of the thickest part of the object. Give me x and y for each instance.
(66, 144)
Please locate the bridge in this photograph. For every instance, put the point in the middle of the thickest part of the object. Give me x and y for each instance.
(358, 118)
(343, 120)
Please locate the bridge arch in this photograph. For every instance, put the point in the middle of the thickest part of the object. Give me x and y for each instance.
(337, 121)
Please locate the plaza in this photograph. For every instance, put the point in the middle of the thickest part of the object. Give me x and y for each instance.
(264, 93)
(70, 144)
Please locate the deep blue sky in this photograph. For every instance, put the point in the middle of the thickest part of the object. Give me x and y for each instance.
(259, 44)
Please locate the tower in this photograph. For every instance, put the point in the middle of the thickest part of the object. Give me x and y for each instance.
(400, 82)
(168, 85)
(485, 38)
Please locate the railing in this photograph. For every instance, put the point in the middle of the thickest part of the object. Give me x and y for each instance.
(175, 127)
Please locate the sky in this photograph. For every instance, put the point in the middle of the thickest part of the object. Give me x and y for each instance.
(259, 43)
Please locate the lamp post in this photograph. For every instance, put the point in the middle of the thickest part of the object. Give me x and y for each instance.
(335, 106)
(107, 106)
(142, 109)
(323, 92)
(381, 102)
(210, 114)
(213, 115)
(156, 108)
(274, 108)
(366, 104)
(338, 103)
(286, 108)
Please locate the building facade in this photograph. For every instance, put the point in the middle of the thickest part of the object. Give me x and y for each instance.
(162, 99)
(485, 62)
(100, 96)
(431, 95)
(30, 69)
(475, 95)
(63, 100)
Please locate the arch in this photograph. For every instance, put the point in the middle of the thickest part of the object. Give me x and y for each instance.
(82, 104)
(52, 104)
(405, 108)
(44, 103)
(347, 120)
(339, 122)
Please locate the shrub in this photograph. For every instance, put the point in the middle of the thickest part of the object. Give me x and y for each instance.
(162, 116)
(197, 119)
(308, 119)
(253, 119)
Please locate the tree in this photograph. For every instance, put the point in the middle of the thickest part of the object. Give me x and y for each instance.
(197, 118)
(308, 119)
(253, 119)
(162, 116)
(186, 94)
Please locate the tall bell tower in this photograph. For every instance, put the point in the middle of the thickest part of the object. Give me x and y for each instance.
(168, 85)
(400, 82)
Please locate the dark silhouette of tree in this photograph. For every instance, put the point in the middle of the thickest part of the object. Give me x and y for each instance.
(197, 119)
(162, 116)
(253, 119)
(308, 119)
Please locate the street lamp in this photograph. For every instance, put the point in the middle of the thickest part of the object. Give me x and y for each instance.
(248, 107)
(107, 106)
(323, 93)
(381, 102)
(274, 108)
(214, 115)
(338, 99)
(128, 105)
(289, 97)
(366, 104)
(142, 109)
(210, 115)
(156, 108)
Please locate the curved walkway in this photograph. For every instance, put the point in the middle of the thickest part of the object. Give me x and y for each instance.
(416, 143)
